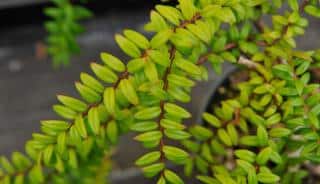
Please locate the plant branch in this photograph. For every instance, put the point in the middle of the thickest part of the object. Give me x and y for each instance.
(303, 5)
(244, 61)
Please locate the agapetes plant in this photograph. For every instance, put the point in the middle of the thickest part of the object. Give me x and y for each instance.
(63, 27)
(268, 132)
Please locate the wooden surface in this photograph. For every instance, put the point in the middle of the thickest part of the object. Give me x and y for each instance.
(28, 86)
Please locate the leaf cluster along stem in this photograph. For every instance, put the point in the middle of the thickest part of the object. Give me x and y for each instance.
(172, 53)
(204, 58)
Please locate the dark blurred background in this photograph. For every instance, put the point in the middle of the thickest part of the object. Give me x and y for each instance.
(28, 82)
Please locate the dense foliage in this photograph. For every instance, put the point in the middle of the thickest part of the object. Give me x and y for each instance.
(267, 133)
(63, 29)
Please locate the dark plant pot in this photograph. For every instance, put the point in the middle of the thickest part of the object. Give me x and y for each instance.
(209, 89)
(202, 96)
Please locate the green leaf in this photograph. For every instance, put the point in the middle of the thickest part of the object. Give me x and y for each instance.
(135, 64)
(128, 91)
(279, 132)
(184, 41)
(276, 118)
(245, 155)
(176, 110)
(262, 135)
(20, 161)
(217, 147)
(175, 154)
(104, 73)
(6, 165)
(137, 38)
(276, 157)
(94, 122)
(264, 156)
(151, 71)
(47, 154)
(252, 177)
(127, 46)
(315, 109)
(202, 30)
(152, 170)
(157, 23)
(82, 12)
(233, 133)
(112, 131)
(61, 143)
(312, 10)
(211, 119)
(43, 139)
(91, 82)
(206, 153)
(248, 47)
(36, 175)
(265, 177)
(18, 179)
(224, 137)
(161, 180)
(228, 16)
(149, 136)
(109, 100)
(80, 126)
(72, 103)
(179, 94)
(283, 71)
(73, 161)
(188, 167)
(87, 93)
(299, 86)
(172, 177)
(212, 10)
(148, 113)
(228, 56)
(246, 29)
(55, 125)
(64, 111)
(201, 133)
(144, 126)
(294, 5)
(171, 14)
(302, 68)
(255, 2)
(225, 179)
(177, 134)
(180, 80)
(207, 180)
(148, 158)
(249, 140)
(245, 165)
(187, 8)
(112, 62)
(161, 38)
(187, 66)
(169, 124)
(191, 145)
(159, 57)
(201, 165)
(219, 44)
